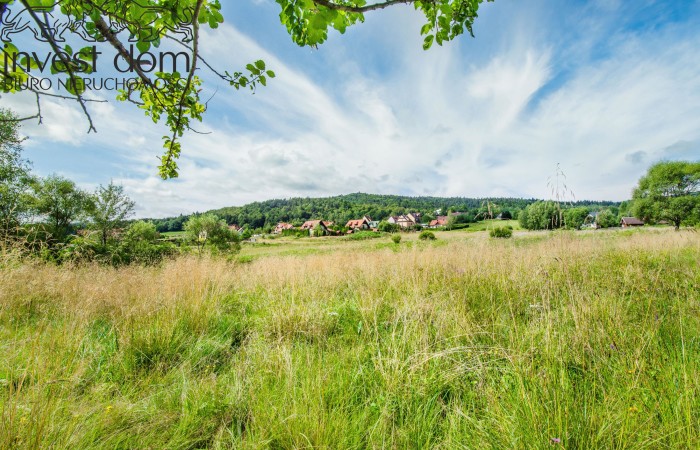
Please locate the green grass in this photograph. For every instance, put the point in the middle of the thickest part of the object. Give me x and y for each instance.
(466, 342)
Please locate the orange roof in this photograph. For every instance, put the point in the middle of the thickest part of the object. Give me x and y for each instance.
(357, 223)
(311, 224)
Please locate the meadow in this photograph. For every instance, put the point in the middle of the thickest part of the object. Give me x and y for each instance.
(572, 340)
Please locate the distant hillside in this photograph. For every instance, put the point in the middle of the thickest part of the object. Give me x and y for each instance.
(342, 208)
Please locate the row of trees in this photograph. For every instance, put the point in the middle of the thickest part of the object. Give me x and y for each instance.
(668, 193)
(53, 217)
(550, 215)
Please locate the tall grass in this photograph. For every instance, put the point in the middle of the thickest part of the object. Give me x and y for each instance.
(536, 342)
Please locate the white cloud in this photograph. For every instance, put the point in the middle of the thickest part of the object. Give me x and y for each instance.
(457, 120)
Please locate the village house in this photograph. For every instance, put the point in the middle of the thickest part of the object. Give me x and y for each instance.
(312, 224)
(440, 221)
(359, 224)
(591, 221)
(406, 220)
(236, 228)
(281, 227)
(627, 222)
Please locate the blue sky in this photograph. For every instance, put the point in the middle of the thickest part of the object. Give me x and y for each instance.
(602, 88)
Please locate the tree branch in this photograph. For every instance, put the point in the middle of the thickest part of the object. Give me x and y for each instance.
(362, 9)
(64, 60)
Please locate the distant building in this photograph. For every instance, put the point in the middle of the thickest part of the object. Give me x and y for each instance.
(591, 221)
(406, 220)
(627, 222)
(312, 224)
(359, 224)
(441, 221)
(282, 226)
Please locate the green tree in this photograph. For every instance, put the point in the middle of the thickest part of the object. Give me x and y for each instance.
(109, 209)
(139, 244)
(141, 232)
(541, 215)
(669, 191)
(607, 219)
(207, 230)
(574, 218)
(175, 98)
(60, 202)
(387, 227)
(15, 178)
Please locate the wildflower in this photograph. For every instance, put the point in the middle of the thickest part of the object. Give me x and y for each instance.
(555, 440)
(633, 409)
(108, 408)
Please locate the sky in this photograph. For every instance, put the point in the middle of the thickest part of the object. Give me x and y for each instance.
(596, 90)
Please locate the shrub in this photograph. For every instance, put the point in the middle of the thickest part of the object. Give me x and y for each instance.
(396, 238)
(362, 235)
(501, 232)
(427, 236)
(387, 227)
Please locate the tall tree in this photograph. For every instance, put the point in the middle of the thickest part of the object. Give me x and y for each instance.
(173, 97)
(60, 202)
(15, 177)
(109, 209)
(669, 191)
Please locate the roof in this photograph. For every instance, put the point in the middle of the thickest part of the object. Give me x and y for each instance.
(311, 224)
(285, 225)
(632, 221)
(441, 220)
(357, 223)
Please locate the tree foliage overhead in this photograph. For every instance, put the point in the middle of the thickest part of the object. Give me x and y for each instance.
(173, 98)
(308, 21)
(669, 191)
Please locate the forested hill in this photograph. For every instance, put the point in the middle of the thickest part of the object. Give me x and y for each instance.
(342, 208)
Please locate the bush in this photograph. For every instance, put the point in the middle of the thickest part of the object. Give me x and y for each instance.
(362, 235)
(501, 232)
(387, 227)
(396, 238)
(427, 236)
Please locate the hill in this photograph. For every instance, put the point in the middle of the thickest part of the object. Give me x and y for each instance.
(342, 208)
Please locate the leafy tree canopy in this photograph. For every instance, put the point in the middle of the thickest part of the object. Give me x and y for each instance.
(61, 203)
(109, 209)
(15, 177)
(669, 191)
(173, 98)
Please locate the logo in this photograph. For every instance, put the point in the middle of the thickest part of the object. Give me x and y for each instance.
(137, 20)
(143, 21)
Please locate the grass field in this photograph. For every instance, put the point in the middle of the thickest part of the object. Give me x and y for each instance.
(547, 340)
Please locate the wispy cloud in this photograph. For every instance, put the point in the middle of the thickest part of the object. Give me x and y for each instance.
(491, 116)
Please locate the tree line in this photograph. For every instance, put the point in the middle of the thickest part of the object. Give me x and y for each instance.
(53, 218)
(668, 194)
(263, 216)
